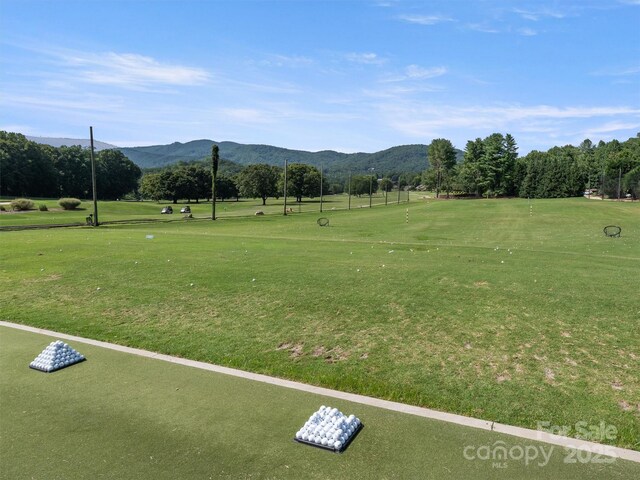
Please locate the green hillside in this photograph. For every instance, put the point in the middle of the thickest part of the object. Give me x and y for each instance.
(404, 158)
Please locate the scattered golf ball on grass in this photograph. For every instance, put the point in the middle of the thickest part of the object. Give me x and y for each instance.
(55, 356)
(330, 429)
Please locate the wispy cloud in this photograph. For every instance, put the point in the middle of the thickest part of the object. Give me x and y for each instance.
(415, 72)
(125, 70)
(49, 101)
(618, 72)
(132, 70)
(423, 120)
(527, 32)
(610, 127)
(425, 19)
(366, 58)
(535, 15)
(482, 27)
(293, 61)
(386, 3)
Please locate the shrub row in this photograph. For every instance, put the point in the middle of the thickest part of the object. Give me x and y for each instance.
(23, 204)
(20, 204)
(69, 203)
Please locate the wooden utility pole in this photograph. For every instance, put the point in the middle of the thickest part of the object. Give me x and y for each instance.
(93, 181)
(215, 160)
(285, 187)
(320, 188)
(370, 186)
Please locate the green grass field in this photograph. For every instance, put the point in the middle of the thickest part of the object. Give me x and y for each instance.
(505, 310)
(109, 211)
(121, 416)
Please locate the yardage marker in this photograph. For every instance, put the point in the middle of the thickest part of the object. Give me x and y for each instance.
(520, 432)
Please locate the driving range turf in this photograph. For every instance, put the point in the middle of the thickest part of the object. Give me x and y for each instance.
(121, 416)
(132, 211)
(507, 310)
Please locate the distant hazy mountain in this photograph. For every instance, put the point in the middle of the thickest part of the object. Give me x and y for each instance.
(400, 159)
(70, 142)
(405, 158)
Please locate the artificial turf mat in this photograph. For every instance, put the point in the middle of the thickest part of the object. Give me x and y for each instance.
(122, 416)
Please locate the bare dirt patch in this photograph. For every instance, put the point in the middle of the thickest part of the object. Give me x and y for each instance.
(318, 351)
(332, 355)
(626, 406)
(297, 350)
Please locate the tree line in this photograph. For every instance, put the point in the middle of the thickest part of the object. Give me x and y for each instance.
(491, 167)
(32, 169)
(193, 181)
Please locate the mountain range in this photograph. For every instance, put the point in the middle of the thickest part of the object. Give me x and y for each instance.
(394, 160)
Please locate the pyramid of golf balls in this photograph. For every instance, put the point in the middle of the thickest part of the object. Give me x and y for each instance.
(55, 356)
(328, 427)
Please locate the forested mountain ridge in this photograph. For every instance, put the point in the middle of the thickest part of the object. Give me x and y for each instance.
(394, 160)
(400, 159)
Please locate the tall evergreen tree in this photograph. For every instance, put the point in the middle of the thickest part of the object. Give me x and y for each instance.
(469, 172)
(442, 158)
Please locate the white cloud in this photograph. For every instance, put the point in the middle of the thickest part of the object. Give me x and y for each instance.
(527, 32)
(386, 3)
(618, 72)
(482, 27)
(610, 127)
(48, 101)
(425, 19)
(366, 58)
(133, 70)
(423, 120)
(292, 61)
(415, 71)
(535, 15)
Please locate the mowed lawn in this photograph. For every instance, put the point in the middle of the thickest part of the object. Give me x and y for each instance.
(507, 310)
(109, 211)
(120, 416)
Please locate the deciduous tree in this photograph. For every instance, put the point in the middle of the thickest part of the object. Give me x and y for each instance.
(259, 181)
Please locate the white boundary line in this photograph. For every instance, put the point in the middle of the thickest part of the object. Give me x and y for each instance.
(535, 435)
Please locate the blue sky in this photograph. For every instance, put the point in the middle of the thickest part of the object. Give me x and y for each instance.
(341, 75)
